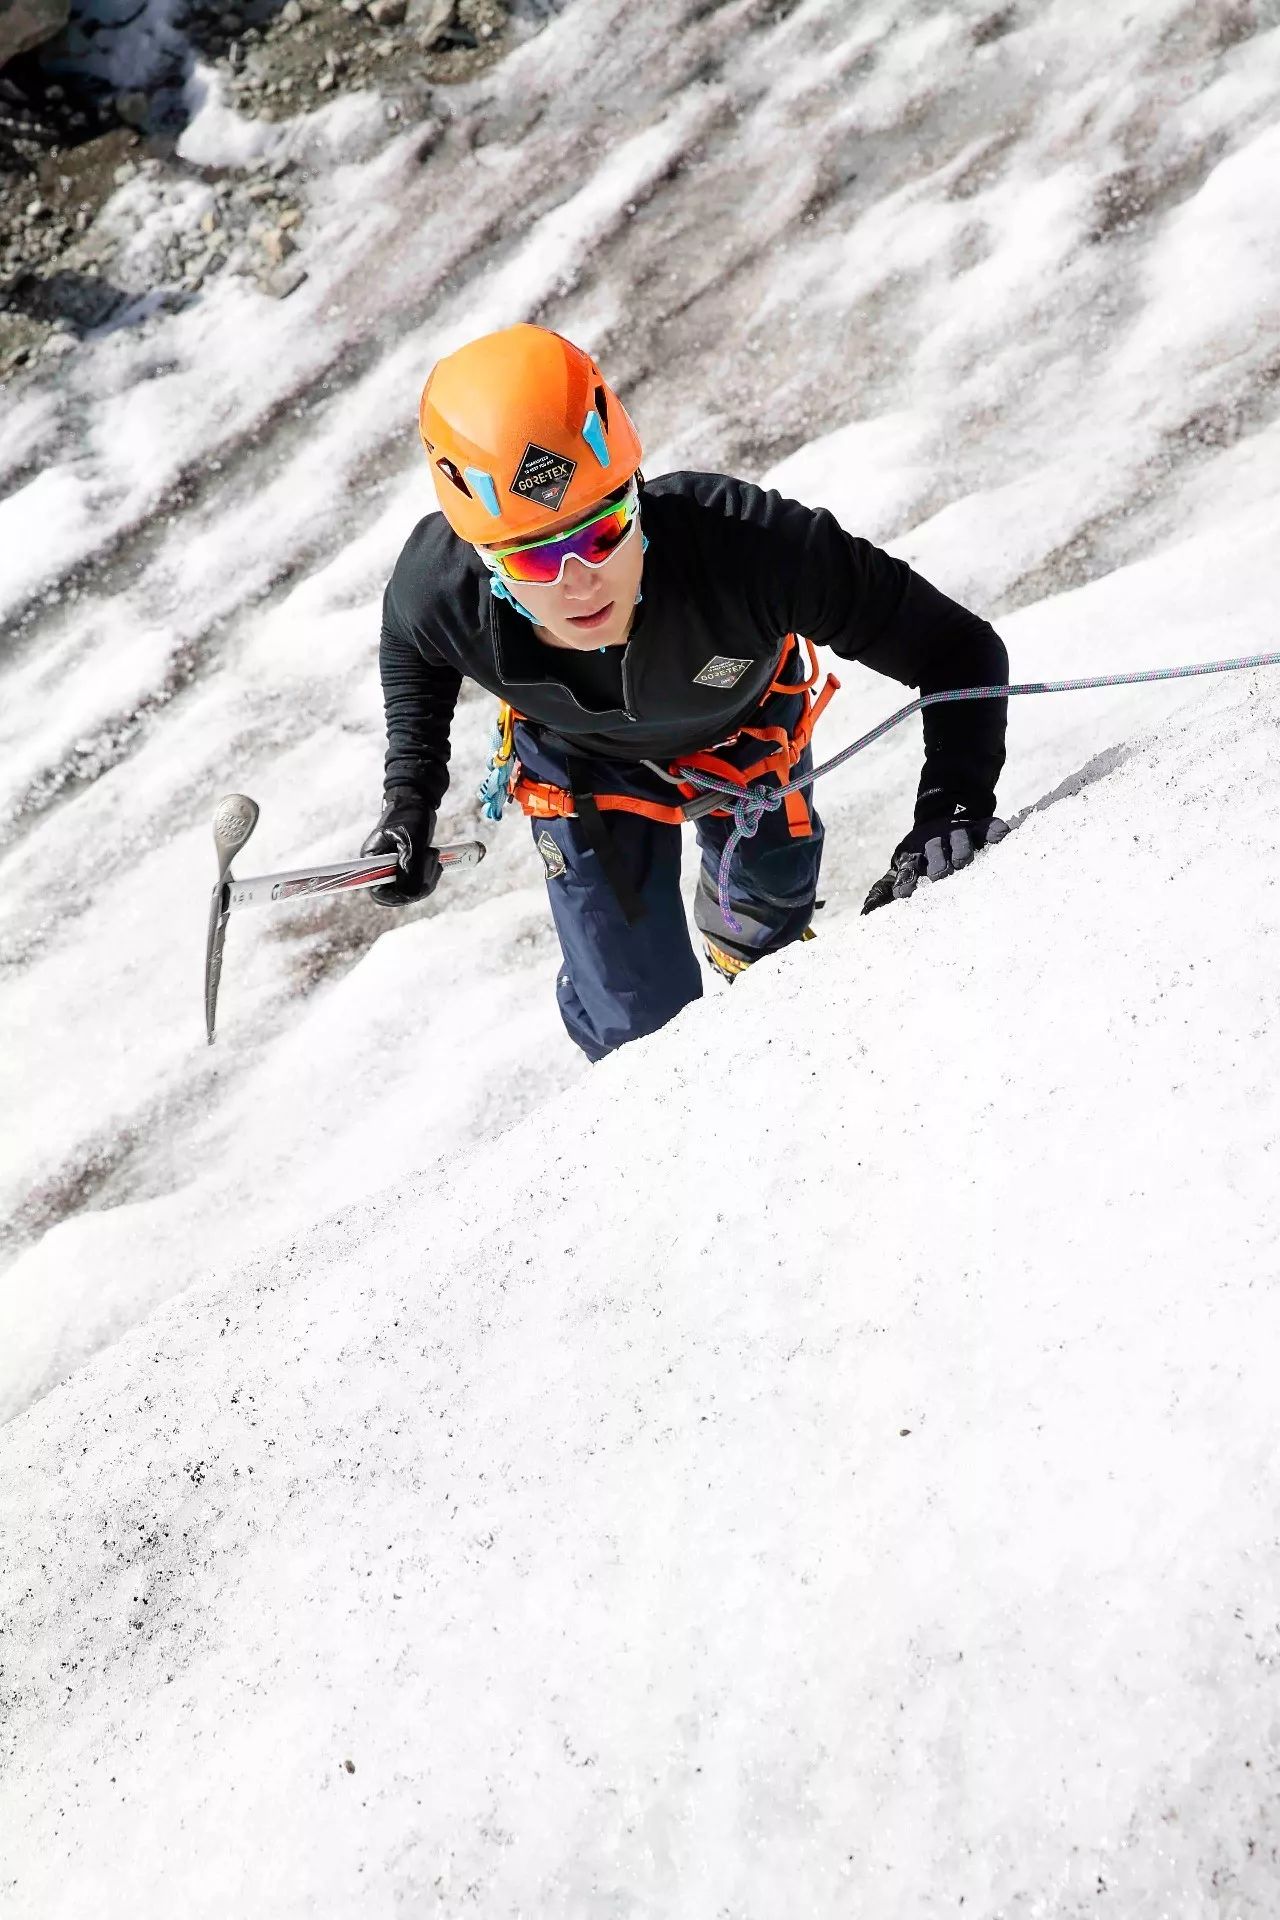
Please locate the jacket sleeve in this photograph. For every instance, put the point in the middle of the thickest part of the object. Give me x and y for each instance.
(846, 594)
(935, 644)
(419, 692)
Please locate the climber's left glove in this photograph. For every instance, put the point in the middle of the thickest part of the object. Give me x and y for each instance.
(932, 850)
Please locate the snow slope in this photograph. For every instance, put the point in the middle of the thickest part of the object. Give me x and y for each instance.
(830, 1469)
(557, 1479)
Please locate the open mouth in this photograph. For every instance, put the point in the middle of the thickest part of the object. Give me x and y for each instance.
(587, 621)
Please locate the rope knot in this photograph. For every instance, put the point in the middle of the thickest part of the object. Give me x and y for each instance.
(752, 807)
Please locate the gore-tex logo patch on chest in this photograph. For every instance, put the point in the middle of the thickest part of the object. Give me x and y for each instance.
(720, 671)
(543, 476)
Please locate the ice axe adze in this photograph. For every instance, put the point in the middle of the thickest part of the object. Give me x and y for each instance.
(234, 819)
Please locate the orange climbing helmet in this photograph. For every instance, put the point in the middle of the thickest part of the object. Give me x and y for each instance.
(522, 430)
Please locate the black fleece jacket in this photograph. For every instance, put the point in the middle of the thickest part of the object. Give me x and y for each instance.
(730, 570)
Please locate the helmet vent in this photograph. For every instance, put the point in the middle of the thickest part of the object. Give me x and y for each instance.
(602, 407)
(450, 472)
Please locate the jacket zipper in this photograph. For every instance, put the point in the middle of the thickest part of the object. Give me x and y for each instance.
(591, 713)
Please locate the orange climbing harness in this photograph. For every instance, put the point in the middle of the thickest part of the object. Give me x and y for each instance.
(543, 801)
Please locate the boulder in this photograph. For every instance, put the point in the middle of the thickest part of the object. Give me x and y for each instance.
(429, 18)
(29, 23)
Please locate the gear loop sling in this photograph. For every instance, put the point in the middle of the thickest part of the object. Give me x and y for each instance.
(542, 800)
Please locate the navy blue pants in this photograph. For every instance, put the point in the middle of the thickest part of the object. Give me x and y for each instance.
(621, 979)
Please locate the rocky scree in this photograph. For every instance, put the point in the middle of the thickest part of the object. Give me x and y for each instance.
(68, 141)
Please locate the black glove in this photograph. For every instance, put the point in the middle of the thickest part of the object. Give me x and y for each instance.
(931, 851)
(407, 828)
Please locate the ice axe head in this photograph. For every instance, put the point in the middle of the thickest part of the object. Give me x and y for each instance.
(234, 819)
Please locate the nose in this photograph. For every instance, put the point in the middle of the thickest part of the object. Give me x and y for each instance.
(577, 583)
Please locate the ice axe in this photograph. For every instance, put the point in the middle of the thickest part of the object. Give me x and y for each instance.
(234, 819)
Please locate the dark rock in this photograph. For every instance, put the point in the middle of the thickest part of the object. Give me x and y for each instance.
(134, 109)
(29, 23)
(285, 280)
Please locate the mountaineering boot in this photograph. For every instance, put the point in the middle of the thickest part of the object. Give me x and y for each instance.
(730, 965)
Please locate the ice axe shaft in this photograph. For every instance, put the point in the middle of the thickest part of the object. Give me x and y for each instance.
(235, 818)
(339, 876)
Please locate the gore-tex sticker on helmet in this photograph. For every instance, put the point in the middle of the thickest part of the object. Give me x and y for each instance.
(720, 671)
(552, 858)
(544, 476)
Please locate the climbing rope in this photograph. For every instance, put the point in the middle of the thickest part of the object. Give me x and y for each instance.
(749, 808)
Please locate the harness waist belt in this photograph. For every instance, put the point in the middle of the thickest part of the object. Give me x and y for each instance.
(542, 800)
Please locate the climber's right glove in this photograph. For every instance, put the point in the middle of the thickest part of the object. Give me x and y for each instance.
(407, 829)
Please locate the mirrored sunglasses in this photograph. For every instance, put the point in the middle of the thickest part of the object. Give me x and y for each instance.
(541, 562)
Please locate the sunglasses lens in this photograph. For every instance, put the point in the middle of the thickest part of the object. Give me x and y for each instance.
(536, 566)
(540, 566)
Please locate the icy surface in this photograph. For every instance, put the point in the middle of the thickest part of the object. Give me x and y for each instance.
(861, 1508)
(558, 1479)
